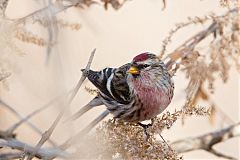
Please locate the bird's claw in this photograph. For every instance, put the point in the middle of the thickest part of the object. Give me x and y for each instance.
(145, 127)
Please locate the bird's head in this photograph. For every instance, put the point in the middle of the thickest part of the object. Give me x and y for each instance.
(145, 63)
(148, 77)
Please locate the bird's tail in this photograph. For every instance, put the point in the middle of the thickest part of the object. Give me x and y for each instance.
(93, 103)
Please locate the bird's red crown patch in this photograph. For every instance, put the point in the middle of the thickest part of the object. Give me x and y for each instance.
(141, 57)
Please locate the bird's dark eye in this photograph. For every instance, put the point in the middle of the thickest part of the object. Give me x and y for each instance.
(142, 66)
(146, 65)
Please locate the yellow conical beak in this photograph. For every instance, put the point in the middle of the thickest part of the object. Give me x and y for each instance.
(133, 70)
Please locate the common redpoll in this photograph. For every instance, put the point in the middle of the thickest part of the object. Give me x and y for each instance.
(134, 92)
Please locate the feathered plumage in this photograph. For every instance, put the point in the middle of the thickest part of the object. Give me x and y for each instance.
(134, 92)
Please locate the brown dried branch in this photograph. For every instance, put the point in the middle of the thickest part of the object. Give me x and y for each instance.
(60, 5)
(164, 4)
(46, 135)
(83, 77)
(129, 139)
(37, 151)
(203, 95)
(4, 75)
(6, 135)
(29, 37)
(196, 64)
(40, 15)
(52, 30)
(91, 91)
(10, 156)
(187, 47)
(44, 153)
(116, 4)
(3, 6)
(18, 115)
(11, 129)
(221, 155)
(207, 141)
(178, 26)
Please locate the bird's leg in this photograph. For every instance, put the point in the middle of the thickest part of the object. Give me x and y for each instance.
(145, 127)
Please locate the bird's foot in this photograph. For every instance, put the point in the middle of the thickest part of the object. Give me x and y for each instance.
(145, 127)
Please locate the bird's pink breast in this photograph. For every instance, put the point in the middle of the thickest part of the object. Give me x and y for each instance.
(154, 100)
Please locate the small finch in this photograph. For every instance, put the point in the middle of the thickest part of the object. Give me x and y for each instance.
(134, 92)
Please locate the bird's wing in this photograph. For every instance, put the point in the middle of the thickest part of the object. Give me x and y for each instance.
(120, 87)
(112, 83)
(100, 80)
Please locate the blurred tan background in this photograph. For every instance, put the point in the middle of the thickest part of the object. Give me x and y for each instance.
(139, 26)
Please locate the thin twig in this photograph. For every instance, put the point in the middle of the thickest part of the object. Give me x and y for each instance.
(76, 138)
(44, 153)
(174, 59)
(207, 141)
(46, 135)
(4, 75)
(11, 129)
(10, 156)
(11, 109)
(187, 47)
(52, 29)
(219, 154)
(83, 77)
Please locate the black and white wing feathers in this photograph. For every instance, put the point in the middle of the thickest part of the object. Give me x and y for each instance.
(112, 83)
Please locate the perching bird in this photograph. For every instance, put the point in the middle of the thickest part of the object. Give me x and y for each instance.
(134, 92)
